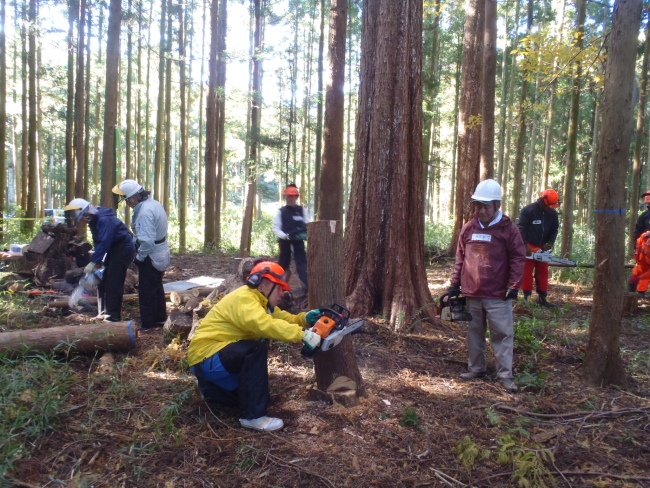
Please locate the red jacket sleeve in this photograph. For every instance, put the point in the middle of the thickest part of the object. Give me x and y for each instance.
(516, 258)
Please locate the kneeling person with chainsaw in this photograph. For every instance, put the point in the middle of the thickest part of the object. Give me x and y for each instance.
(489, 268)
(538, 224)
(114, 249)
(227, 353)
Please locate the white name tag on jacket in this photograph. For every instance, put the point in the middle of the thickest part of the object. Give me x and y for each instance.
(482, 237)
(297, 217)
(538, 222)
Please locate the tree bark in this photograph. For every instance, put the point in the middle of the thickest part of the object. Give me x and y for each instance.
(593, 164)
(167, 153)
(330, 191)
(603, 364)
(25, 120)
(489, 87)
(638, 145)
(183, 166)
(100, 39)
(319, 108)
(69, 115)
(469, 125)
(79, 104)
(388, 166)
(502, 101)
(568, 198)
(110, 99)
(3, 114)
(160, 109)
(32, 189)
(210, 239)
(220, 135)
(128, 173)
(199, 189)
(86, 159)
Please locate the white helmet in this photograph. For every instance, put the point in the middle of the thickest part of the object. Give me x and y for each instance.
(127, 188)
(80, 206)
(487, 191)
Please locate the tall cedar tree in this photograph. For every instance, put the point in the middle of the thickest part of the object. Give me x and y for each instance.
(568, 198)
(110, 102)
(33, 188)
(86, 158)
(69, 114)
(210, 238)
(183, 167)
(167, 158)
(128, 174)
(469, 126)
(385, 270)
(79, 149)
(25, 120)
(100, 38)
(489, 88)
(3, 110)
(319, 106)
(330, 190)
(603, 364)
(221, 117)
(160, 108)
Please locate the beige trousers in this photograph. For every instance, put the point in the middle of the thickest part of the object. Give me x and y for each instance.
(497, 315)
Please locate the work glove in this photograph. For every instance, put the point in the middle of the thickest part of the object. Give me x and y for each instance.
(90, 267)
(312, 316)
(311, 339)
(511, 294)
(454, 290)
(301, 236)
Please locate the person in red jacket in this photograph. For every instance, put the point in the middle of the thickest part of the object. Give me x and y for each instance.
(640, 278)
(489, 270)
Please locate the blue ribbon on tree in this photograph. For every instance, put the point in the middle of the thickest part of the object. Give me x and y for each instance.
(619, 211)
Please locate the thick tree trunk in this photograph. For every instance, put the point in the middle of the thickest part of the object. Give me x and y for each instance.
(116, 336)
(86, 159)
(593, 164)
(160, 109)
(79, 104)
(167, 153)
(148, 178)
(110, 99)
(469, 127)
(568, 198)
(210, 239)
(3, 113)
(489, 87)
(137, 174)
(330, 191)
(33, 188)
(128, 173)
(603, 364)
(219, 188)
(319, 107)
(69, 115)
(183, 176)
(387, 166)
(199, 173)
(98, 102)
(638, 145)
(25, 120)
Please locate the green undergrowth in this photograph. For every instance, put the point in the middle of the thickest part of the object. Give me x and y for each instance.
(33, 396)
(17, 311)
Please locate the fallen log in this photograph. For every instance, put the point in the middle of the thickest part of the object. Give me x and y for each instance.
(107, 336)
(88, 301)
(180, 297)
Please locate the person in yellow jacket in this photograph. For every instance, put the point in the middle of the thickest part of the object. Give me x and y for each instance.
(227, 353)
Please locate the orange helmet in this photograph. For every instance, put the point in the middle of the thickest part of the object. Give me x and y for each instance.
(291, 191)
(269, 270)
(646, 196)
(550, 197)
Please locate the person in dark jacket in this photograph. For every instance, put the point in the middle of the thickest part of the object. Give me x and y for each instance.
(290, 225)
(489, 268)
(114, 249)
(538, 224)
(643, 222)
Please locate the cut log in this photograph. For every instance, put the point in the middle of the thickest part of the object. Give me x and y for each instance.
(89, 301)
(107, 336)
(180, 297)
(178, 324)
(630, 303)
(191, 304)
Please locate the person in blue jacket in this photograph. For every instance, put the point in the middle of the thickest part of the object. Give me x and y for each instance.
(114, 249)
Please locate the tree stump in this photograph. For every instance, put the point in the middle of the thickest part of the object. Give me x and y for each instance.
(326, 287)
(179, 324)
(630, 303)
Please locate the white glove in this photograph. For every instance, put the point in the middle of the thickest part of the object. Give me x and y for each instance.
(90, 267)
(311, 339)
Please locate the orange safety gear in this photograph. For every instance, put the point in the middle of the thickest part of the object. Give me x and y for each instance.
(550, 197)
(646, 198)
(271, 271)
(641, 271)
(291, 191)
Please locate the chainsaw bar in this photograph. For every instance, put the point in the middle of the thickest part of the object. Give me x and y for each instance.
(336, 336)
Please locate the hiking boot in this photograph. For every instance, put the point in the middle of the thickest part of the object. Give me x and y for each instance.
(541, 300)
(265, 424)
(527, 297)
(508, 384)
(472, 375)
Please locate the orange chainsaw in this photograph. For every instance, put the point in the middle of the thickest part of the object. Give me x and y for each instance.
(332, 326)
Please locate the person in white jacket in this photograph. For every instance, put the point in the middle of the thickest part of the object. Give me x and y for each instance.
(149, 226)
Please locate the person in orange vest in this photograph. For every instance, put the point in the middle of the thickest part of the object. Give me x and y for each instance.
(643, 222)
(640, 278)
(538, 224)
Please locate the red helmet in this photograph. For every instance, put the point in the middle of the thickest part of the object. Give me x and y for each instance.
(646, 196)
(291, 191)
(550, 197)
(269, 270)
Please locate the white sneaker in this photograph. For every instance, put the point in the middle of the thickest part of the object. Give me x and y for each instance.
(265, 424)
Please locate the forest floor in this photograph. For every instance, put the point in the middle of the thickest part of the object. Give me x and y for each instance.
(71, 422)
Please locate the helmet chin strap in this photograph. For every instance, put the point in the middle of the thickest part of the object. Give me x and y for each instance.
(268, 296)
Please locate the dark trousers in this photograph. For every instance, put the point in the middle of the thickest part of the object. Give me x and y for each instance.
(151, 294)
(298, 254)
(248, 360)
(111, 287)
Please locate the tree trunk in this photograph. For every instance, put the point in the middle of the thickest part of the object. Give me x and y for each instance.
(568, 199)
(532, 149)
(25, 120)
(220, 135)
(166, 169)
(98, 102)
(502, 100)
(3, 114)
(521, 133)
(79, 104)
(593, 165)
(128, 173)
(210, 239)
(638, 146)
(454, 145)
(488, 89)
(469, 127)
(387, 166)
(69, 115)
(87, 338)
(603, 364)
(160, 109)
(86, 159)
(319, 107)
(148, 178)
(199, 189)
(32, 190)
(330, 191)
(183, 176)
(110, 100)
(137, 175)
